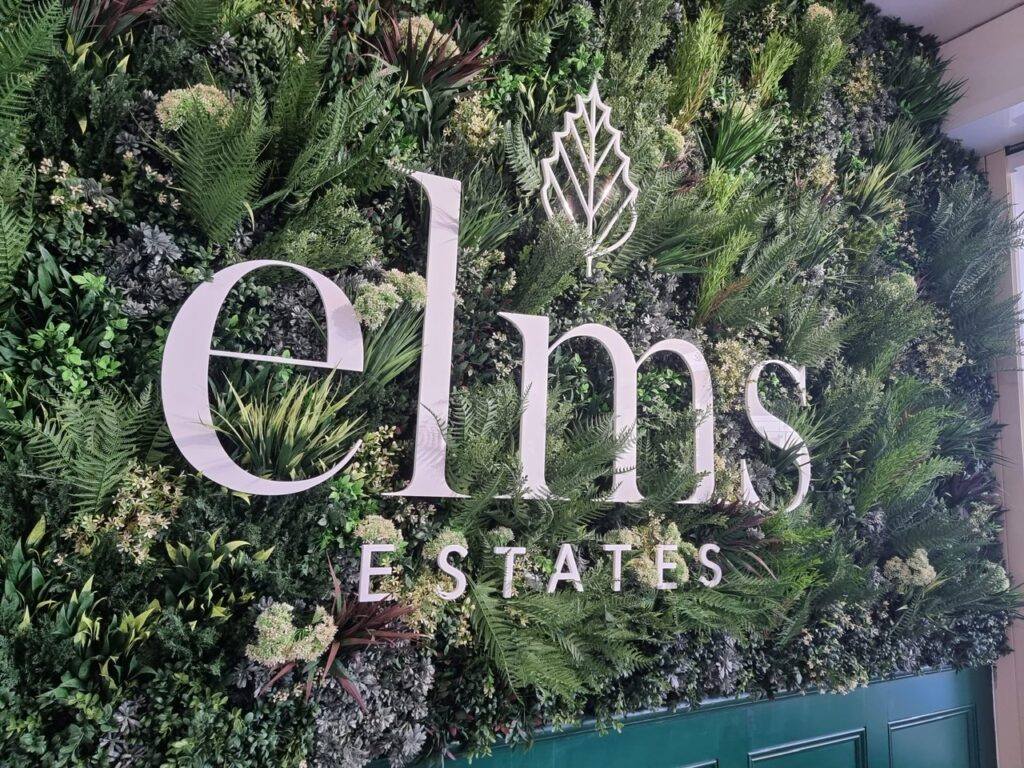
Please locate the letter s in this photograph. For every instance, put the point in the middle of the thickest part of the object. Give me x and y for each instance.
(711, 565)
(777, 432)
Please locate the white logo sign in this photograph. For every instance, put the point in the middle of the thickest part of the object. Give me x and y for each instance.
(185, 373)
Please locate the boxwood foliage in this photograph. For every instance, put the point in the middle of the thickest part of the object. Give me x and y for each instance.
(798, 201)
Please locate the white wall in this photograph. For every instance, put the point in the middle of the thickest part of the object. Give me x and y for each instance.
(1008, 693)
(991, 59)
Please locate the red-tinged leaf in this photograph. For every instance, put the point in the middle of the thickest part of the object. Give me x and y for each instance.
(763, 564)
(353, 691)
(349, 642)
(284, 670)
(394, 612)
(331, 656)
(334, 580)
(389, 634)
(309, 688)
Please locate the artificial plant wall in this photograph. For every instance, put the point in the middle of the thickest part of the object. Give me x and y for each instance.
(797, 201)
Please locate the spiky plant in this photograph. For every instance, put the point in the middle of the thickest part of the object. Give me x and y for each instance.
(740, 135)
(292, 431)
(923, 89)
(430, 65)
(105, 651)
(100, 20)
(695, 65)
(206, 582)
(26, 585)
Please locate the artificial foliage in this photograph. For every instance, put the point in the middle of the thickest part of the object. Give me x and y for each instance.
(797, 200)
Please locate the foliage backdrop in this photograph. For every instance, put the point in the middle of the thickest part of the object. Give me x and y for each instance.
(797, 200)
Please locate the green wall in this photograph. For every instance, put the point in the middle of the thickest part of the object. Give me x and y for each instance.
(939, 720)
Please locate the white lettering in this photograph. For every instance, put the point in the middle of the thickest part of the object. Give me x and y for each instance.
(777, 433)
(616, 550)
(510, 554)
(368, 570)
(661, 566)
(566, 569)
(451, 570)
(711, 565)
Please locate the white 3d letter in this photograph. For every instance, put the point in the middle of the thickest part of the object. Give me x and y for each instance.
(711, 565)
(445, 567)
(566, 569)
(185, 374)
(616, 550)
(368, 569)
(533, 427)
(510, 558)
(777, 433)
(428, 468)
(660, 566)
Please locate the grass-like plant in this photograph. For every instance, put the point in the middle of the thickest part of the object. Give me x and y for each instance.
(923, 90)
(286, 432)
(393, 348)
(741, 134)
(874, 194)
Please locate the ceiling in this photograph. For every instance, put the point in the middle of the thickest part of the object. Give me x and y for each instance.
(947, 19)
(981, 40)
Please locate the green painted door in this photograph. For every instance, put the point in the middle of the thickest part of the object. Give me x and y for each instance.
(940, 720)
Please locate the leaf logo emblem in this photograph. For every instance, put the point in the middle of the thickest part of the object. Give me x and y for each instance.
(587, 177)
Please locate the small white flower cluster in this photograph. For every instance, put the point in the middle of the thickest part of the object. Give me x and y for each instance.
(375, 302)
(175, 107)
(915, 571)
(279, 641)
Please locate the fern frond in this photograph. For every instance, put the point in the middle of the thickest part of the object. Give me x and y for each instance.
(342, 141)
(90, 445)
(15, 233)
(521, 160)
(27, 38)
(813, 333)
(217, 164)
(494, 630)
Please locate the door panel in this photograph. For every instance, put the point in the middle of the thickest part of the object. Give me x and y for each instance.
(940, 740)
(848, 750)
(939, 720)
